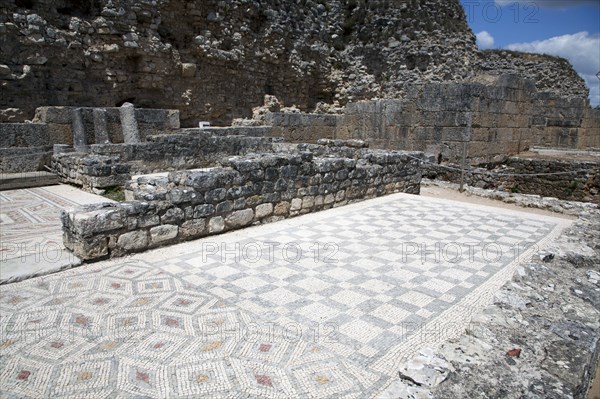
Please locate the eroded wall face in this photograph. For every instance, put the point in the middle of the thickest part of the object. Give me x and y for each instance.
(495, 120)
(215, 60)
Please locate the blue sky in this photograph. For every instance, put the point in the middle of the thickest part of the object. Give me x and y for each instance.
(570, 29)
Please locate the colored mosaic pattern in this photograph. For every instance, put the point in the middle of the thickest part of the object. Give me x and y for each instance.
(321, 306)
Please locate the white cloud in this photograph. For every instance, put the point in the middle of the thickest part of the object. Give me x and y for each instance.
(484, 40)
(581, 49)
(549, 3)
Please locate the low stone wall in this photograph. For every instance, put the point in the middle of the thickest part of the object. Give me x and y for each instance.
(250, 190)
(564, 179)
(91, 171)
(110, 165)
(29, 159)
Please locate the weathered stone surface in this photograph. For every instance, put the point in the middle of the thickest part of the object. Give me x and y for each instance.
(296, 204)
(240, 218)
(131, 133)
(216, 225)
(173, 216)
(188, 70)
(193, 228)
(134, 240)
(163, 233)
(100, 126)
(263, 210)
(282, 208)
(79, 136)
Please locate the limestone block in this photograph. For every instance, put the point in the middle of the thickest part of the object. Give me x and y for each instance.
(192, 228)
(216, 225)
(240, 218)
(173, 216)
(282, 208)
(163, 233)
(131, 133)
(79, 136)
(203, 210)
(296, 204)
(133, 240)
(263, 210)
(100, 126)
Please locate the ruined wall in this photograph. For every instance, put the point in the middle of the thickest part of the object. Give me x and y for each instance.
(109, 165)
(549, 73)
(570, 180)
(260, 189)
(215, 60)
(28, 147)
(502, 117)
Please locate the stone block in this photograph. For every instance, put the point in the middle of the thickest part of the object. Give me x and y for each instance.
(96, 221)
(240, 218)
(282, 208)
(216, 225)
(173, 216)
(133, 240)
(193, 228)
(263, 210)
(203, 210)
(131, 133)
(163, 233)
(308, 202)
(296, 204)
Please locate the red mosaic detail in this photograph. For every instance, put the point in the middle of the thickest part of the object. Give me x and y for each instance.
(265, 347)
(35, 321)
(183, 302)
(82, 320)
(129, 271)
(23, 375)
(101, 301)
(115, 286)
(141, 376)
(264, 380)
(171, 322)
(158, 345)
(57, 344)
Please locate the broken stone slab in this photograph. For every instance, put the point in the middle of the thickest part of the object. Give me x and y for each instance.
(426, 369)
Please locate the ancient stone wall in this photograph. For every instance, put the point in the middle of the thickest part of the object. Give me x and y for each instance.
(258, 189)
(28, 147)
(564, 179)
(59, 122)
(549, 73)
(500, 118)
(108, 165)
(214, 60)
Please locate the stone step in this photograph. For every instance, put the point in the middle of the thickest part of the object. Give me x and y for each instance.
(12, 181)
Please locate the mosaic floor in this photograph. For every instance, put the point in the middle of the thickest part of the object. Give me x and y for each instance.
(31, 231)
(321, 306)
